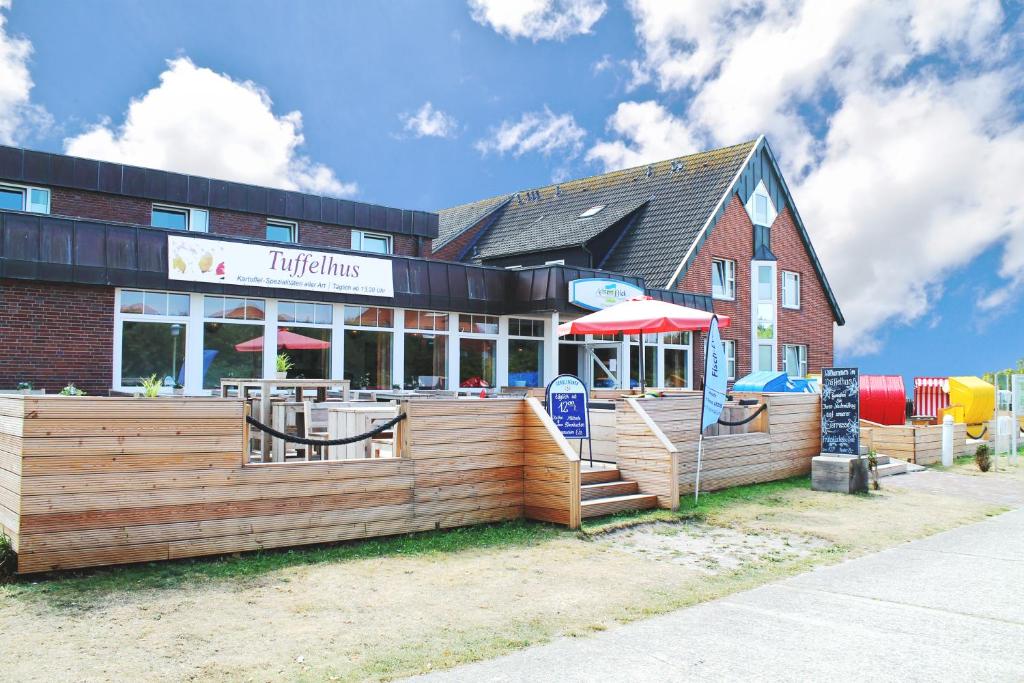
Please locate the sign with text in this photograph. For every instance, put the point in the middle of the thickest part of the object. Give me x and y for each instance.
(258, 265)
(567, 399)
(595, 294)
(840, 411)
(714, 377)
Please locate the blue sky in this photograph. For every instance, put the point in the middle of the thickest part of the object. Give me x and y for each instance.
(899, 129)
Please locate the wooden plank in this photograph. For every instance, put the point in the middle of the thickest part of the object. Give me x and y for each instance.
(107, 445)
(71, 463)
(100, 519)
(475, 490)
(233, 476)
(112, 500)
(179, 531)
(131, 427)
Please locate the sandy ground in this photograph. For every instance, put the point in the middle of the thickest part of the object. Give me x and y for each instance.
(382, 618)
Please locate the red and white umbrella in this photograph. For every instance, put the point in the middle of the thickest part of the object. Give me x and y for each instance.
(642, 315)
(285, 340)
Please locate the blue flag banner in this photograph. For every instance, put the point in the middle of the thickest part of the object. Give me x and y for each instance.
(567, 399)
(715, 377)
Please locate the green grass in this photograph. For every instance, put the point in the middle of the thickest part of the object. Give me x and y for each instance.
(73, 587)
(769, 494)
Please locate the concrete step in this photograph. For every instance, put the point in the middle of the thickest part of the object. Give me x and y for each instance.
(608, 489)
(607, 506)
(599, 475)
(892, 467)
(883, 459)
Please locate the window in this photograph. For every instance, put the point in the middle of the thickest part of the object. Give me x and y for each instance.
(305, 337)
(153, 332)
(760, 207)
(305, 312)
(231, 308)
(279, 231)
(592, 211)
(723, 279)
(794, 360)
(180, 218)
(478, 324)
(790, 290)
(525, 352)
(231, 347)
(476, 362)
(368, 351)
(18, 198)
(729, 346)
(676, 354)
(650, 352)
(426, 350)
(524, 327)
(371, 242)
(557, 262)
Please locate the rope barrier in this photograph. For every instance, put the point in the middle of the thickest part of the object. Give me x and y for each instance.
(737, 423)
(324, 442)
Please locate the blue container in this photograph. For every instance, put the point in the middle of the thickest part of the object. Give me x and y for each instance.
(761, 382)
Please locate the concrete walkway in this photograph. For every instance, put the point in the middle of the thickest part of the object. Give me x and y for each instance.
(948, 607)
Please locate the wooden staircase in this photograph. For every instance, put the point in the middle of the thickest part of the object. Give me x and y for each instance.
(603, 491)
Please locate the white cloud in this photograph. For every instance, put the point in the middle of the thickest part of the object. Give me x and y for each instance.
(543, 131)
(199, 121)
(429, 122)
(538, 19)
(901, 165)
(646, 132)
(18, 115)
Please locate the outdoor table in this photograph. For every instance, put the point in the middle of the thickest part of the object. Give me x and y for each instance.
(349, 420)
(266, 386)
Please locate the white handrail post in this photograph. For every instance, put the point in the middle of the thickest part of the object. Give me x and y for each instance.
(947, 441)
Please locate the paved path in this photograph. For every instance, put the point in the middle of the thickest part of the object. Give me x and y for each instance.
(951, 607)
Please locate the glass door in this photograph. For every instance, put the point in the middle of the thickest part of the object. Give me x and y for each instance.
(604, 366)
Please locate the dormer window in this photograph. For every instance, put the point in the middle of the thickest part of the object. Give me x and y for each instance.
(760, 207)
(592, 211)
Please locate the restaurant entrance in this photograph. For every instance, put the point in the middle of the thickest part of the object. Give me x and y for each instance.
(596, 363)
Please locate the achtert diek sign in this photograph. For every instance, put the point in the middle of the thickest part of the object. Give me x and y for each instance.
(258, 265)
(594, 293)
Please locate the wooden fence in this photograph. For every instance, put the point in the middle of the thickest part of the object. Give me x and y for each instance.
(784, 449)
(917, 444)
(88, 481)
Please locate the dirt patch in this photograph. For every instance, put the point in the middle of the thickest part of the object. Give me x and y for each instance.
(385, 617)
(710, 549)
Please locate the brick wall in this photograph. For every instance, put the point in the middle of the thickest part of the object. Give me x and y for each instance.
(52, 334)
(733, 238)
(108, 207)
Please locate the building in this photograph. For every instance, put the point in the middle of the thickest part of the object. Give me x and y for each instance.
(111, 273)
(713, 223)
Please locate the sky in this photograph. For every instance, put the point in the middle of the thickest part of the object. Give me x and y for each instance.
(899, 125)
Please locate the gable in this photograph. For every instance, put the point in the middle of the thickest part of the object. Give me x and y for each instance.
(761, 171)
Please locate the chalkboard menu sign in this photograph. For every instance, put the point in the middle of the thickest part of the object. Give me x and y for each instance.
(840, 411)
(567, 405)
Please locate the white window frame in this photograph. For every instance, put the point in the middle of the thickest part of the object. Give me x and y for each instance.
(771, 211)
(291, 225)
(203, 319)
(400, 330)
(359, 235)
(500, 351)
(190, 216)
(193, 327)
(26, 196)
(505, 334)
(397, 331)
(790, 282)
(755, 342)
(729, 349)
(729, 279)
(801, 355)
(660, 357)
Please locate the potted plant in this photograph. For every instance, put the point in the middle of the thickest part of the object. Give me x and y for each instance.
(284, 364)
(151, 386)
(25, 387)
(71, 390)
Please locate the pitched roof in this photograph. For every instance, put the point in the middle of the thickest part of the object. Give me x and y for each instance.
(677, 196)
